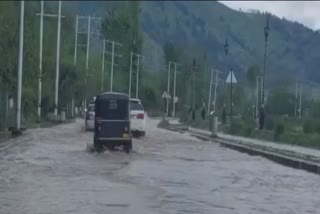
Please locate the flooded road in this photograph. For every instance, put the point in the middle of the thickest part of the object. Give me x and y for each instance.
(51, 171)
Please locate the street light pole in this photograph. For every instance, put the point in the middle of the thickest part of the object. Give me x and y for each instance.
(76, 41)
(210, 89)
(215, 91)
(137, 78)
(300, 110)
(231, 100)
(174, 89)
(226, 50)
(103, 62)
(42, 14)
(295, 100)
(266, 33)
(130, 74)
(193, 90)
(57, 62)
(113, 54)
(20, 64)
(40, 60)
(257, 97)
(112, 61)
(87, 45)
(87, 59)
(168, 90)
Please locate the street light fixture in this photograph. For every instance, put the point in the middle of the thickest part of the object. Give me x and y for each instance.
(262, 113)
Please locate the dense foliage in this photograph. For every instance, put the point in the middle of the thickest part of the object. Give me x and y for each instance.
(121, 24)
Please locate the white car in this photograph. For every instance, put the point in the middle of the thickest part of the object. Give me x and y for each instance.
(89, 118)
(137, 117)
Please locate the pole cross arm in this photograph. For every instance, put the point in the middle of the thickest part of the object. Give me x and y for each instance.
(50, 15)
(114, 54)
(115, 43)
(86, 17)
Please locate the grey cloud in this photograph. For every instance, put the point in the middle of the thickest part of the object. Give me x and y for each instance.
(305, 12)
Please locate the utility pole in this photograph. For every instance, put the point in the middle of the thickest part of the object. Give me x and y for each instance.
(130, 74)
(137, 78)
(210, 89)
(87, 45)
(103, 62)
(57, 62)
(266, 33)
(295, 100)
(204, 75)
(300, 104)
(87, 59)
(75, 58)
(42, 14)
(231, 100)
(113, 54)
(174, 89)
(168, 88)
(112, 61)
(20, 65)
(257, 98)
(40, 60)
(226, 51)
(215, 91)
(76, 41)
(137, 81)
(194, 89)
(261, 90)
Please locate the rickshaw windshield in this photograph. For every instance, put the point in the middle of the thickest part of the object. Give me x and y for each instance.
(112, 109)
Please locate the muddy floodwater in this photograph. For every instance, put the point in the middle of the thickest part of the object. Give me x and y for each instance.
(53, 171)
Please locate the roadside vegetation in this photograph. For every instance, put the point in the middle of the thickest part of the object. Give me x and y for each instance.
(72, 77)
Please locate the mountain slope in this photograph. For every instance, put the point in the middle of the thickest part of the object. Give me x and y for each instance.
(292, 48)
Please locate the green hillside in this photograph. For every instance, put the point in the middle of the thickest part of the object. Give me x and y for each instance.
(292, 48)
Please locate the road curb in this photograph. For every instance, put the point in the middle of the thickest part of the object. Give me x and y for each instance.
(276, 157)
(282, 159)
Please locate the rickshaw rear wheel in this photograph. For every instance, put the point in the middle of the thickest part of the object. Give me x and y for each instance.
(128, 146)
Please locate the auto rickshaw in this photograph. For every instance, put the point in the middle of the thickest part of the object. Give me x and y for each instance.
(112, 122)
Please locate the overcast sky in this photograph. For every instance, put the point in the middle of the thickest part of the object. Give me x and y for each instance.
(305, 12)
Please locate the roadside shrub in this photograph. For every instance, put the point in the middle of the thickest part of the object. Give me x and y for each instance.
(248, 131)
(279, 130)
(307, 127)
(317, 127)
(270, 123)
(249, 125)
(236, 126)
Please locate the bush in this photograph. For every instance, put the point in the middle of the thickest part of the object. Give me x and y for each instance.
(269, 123)
(279, 130)
(236, 126)
(308, 127)
(317, 127)
(249, 125)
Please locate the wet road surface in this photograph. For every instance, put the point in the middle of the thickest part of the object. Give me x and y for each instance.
(52, 171)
